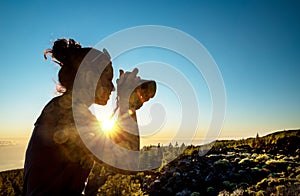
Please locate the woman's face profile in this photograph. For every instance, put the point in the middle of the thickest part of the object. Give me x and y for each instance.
(104, 86)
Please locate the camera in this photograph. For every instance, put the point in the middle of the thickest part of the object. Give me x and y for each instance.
(146, 89)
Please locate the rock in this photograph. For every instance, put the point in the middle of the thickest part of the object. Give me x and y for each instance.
(209, 177)
(184, 192)
(221, 164)
(156, 181)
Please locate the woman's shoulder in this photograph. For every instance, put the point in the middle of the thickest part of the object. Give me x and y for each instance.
(61, 102)
(52, 105)
(53, 110)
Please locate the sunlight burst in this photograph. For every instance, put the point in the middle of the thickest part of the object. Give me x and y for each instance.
(107, 124)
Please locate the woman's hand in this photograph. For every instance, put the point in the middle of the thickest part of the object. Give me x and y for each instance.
(128, 135)
(129, 91)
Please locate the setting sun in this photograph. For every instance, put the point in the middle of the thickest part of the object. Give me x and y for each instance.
(107, 124)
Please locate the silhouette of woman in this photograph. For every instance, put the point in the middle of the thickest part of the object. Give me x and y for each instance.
(58, 160)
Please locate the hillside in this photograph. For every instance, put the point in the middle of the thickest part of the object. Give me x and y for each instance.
(268, 165)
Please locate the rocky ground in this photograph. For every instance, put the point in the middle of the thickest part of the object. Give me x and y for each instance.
(267, 169)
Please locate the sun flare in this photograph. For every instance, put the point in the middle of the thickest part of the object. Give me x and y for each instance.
(107, 124)
(106, 120)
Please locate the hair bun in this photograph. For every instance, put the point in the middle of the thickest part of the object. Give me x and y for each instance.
(60, 49)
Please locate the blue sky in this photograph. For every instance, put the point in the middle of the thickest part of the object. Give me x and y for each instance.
(254, 43)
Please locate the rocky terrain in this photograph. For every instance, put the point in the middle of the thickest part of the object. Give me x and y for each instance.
(268, 165)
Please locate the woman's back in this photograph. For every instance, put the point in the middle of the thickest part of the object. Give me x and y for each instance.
(57, 162)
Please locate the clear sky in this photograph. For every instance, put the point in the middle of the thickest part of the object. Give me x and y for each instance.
(256, 45)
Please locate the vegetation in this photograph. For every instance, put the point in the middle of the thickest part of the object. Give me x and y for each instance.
(268, 165)
(11, 182)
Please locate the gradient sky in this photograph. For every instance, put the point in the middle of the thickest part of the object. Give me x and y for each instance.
(256, 45)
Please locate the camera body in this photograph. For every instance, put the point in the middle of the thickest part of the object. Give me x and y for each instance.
(145, 90)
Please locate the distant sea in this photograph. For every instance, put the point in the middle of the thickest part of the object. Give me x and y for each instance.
(12, 153)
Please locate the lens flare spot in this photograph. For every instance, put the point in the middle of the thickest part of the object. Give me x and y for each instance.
(107, 124)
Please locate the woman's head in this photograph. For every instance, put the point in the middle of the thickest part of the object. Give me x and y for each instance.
(70, 55)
